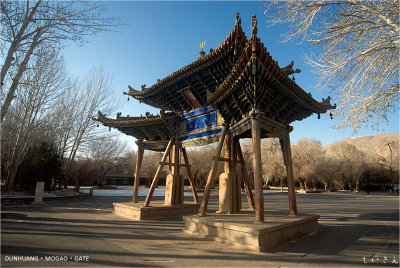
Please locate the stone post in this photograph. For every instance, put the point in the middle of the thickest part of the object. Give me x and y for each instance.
(39, 193)
(169, 190)
(225, 193)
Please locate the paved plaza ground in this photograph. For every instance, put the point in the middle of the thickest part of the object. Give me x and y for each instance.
(356, 229)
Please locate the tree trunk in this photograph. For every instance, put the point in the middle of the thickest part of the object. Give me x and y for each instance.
(16, 42)
(11, 178)
(21, 69)
(357, 184)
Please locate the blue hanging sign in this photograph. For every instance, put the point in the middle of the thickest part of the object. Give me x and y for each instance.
(200, 127)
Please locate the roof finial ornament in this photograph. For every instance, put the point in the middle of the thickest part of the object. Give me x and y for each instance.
(202, 53)
(253, 25)
(202, 44)
(238, 19)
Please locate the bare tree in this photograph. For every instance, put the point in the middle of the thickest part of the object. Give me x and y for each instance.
(388, 158)
(106, 153)
(149, 164)
(26, 25)
(357, 56)
(128, 163)
(327, 170)
(306, 153)
(200, 164)
(247, 150)
(351, 164)
(272, 159)
(90, 94)
(41, 86)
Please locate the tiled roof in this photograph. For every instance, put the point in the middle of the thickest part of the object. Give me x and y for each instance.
(271, 69)
(201, 63)
(148, 128)
(134, 121)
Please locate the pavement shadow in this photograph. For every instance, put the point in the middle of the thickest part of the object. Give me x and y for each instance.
(76, 227)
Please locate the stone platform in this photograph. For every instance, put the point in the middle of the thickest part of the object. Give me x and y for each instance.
(241, 230)
(156, 210)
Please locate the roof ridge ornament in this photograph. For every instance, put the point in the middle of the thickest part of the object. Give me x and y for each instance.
(236, 44)
(253, 25)
(238, 19)
(288, 70)
(327, 102)
(100, 117)
(131, 90)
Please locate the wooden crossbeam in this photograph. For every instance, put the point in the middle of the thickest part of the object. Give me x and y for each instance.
(171, 164)
(223, 159)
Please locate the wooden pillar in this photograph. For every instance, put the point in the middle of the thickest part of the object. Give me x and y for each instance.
(226, 183)
(190, 175)
(227, 153)
(246, 180)
(170, 163)
(207, 189)
(287, 157)
(158, 172)
(139, 158)
(176, 174)
(237, 206)
(258, 181)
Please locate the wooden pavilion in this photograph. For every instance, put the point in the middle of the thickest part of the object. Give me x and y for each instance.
(236, 91)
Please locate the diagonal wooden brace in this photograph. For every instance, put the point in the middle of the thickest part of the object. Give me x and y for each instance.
(157, 175)
(190, 175)
(207, 189)
(246, 180)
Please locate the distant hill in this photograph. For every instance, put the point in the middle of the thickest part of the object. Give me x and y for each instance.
(372, 145)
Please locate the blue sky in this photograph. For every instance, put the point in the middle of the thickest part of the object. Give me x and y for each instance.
(158, 38)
